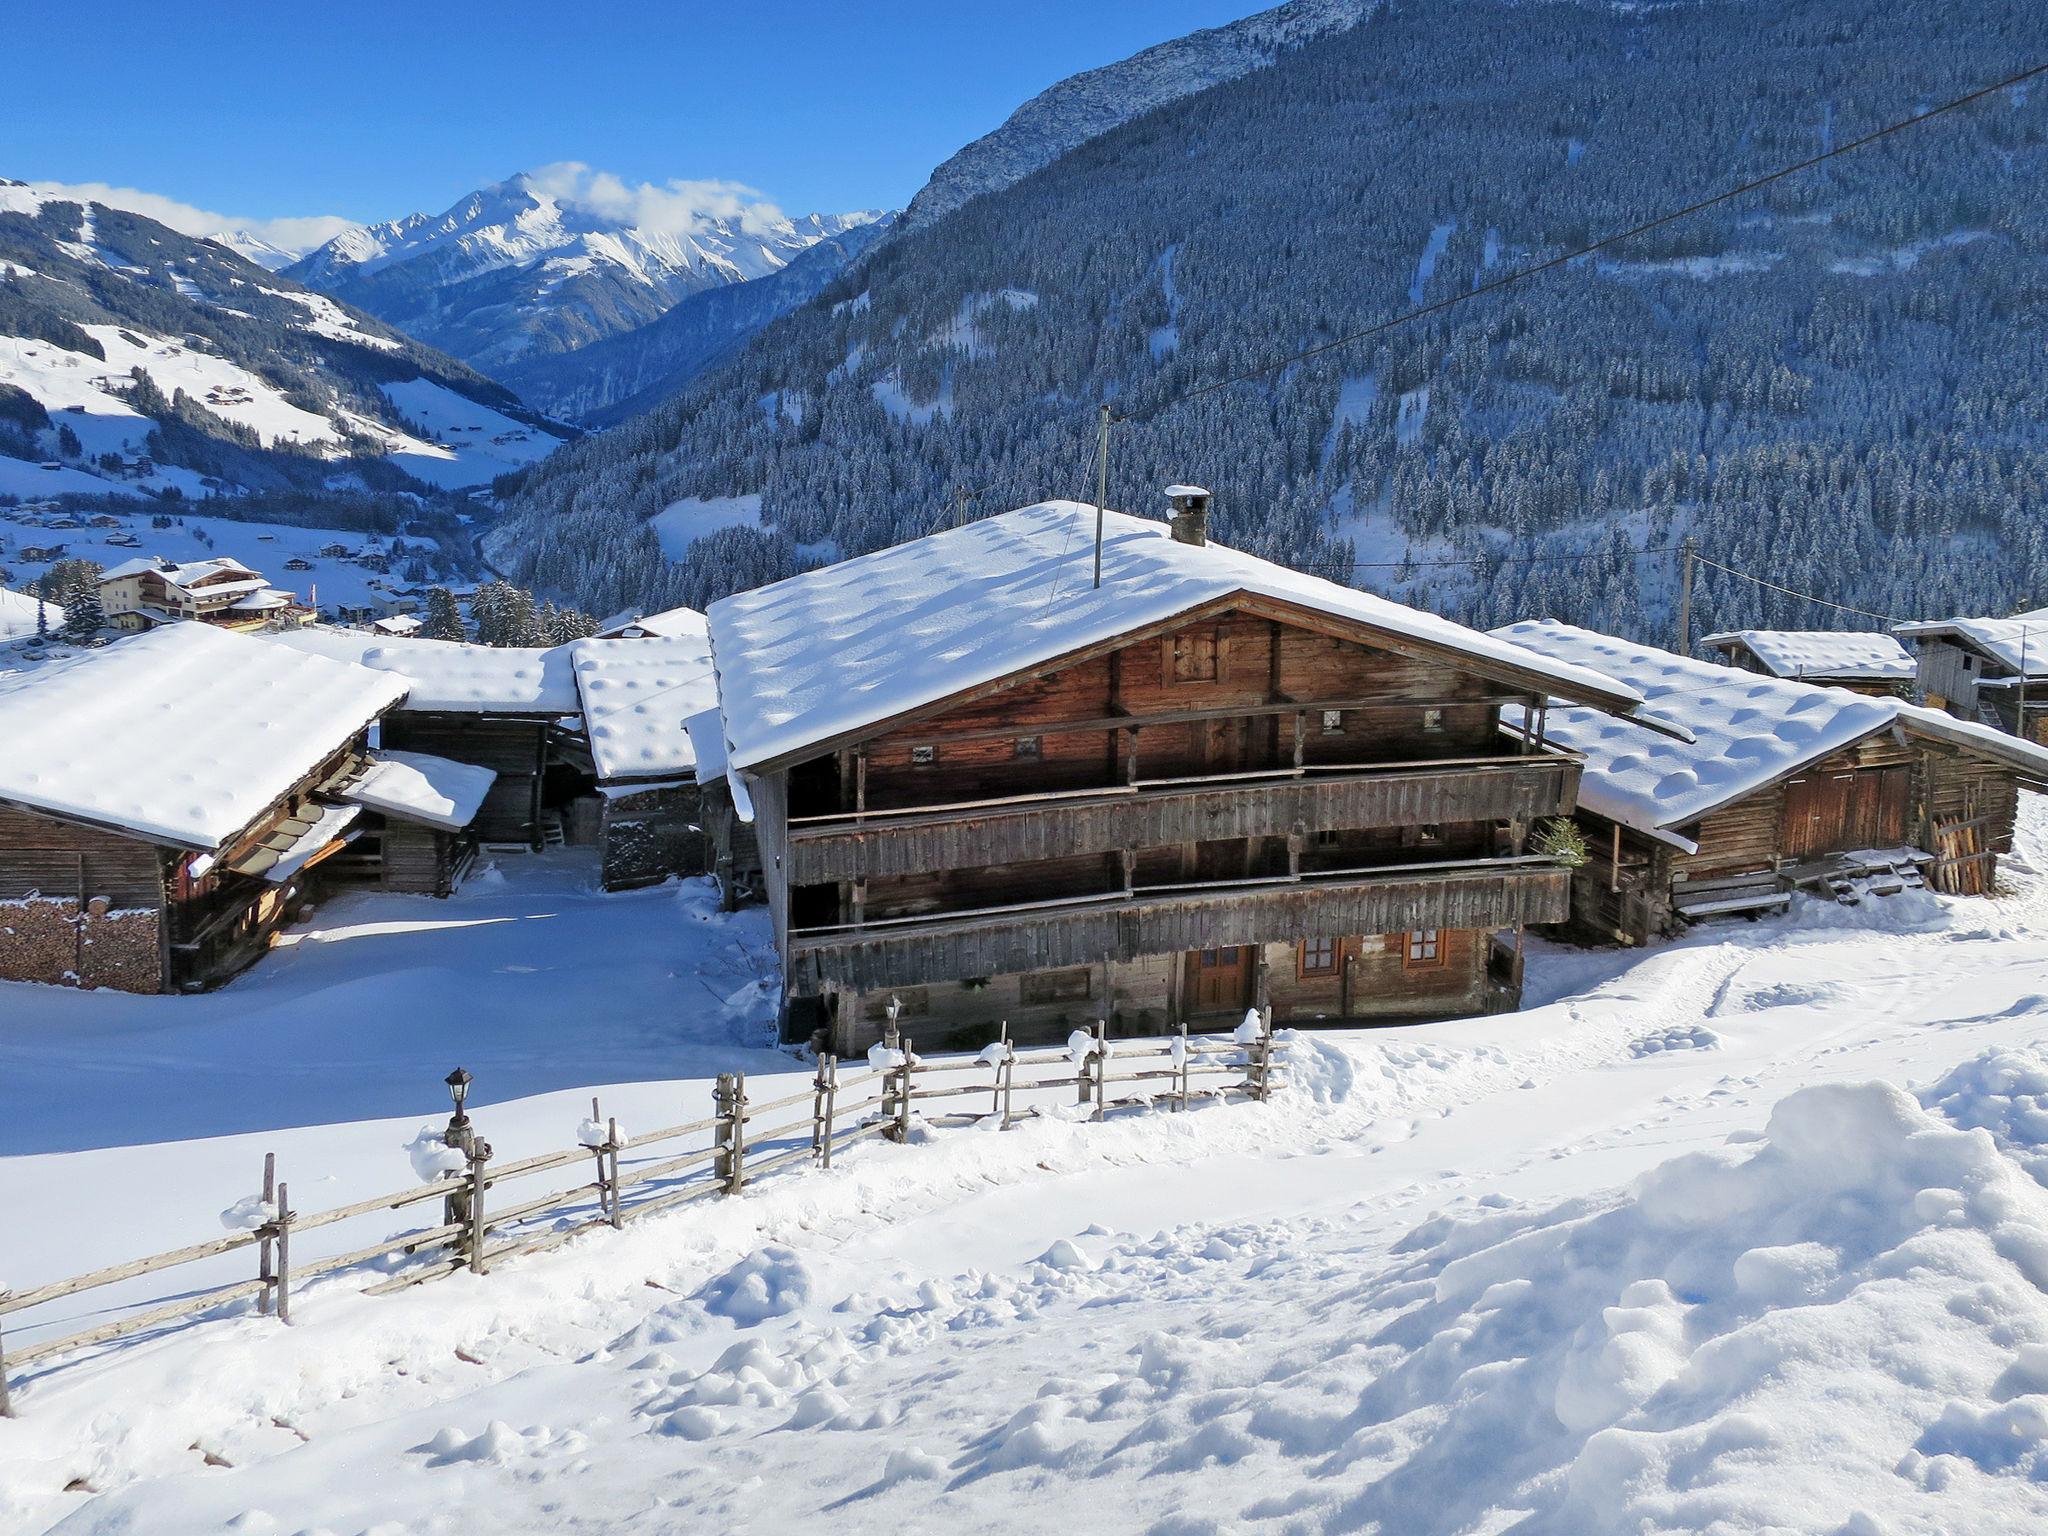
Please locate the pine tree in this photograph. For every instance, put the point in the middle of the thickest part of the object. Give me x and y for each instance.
(444, 616)
(84, 616)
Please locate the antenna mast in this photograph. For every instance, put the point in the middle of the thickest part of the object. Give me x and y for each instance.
(1101, 484)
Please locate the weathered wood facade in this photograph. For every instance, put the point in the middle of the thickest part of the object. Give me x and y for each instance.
(1258, 803)
(1972, 682)
(514, 746)
(1897, 787)
(97, 906)
(649, 836)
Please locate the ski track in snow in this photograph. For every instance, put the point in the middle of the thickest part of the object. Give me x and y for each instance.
(1567, 1270)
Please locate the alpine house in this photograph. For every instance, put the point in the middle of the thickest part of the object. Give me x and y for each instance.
(988, 788)
(1862, 663)
(1768, 785)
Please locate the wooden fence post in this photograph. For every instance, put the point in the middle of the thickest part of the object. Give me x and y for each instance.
(611, 1137)
(6, 1402)
(1180, 1086)
(284, 1254)
(604, 1193)
(1266, 1056)
(828, 1101)
(1101, 1066)
(479, 1154)
(995, 1093)
(903, 1096)
(721, 1132)
(265, 1271)
(739, 1133)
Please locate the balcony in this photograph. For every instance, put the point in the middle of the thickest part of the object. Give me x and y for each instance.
(1160, 920)
(1162, 812)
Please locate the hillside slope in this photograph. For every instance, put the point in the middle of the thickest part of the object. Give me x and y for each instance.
(136, 359)
(1824, 383)
(523, 269)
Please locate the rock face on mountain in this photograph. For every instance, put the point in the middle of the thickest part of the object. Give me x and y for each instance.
(1087, 105)
(137, 360)
(526, 267)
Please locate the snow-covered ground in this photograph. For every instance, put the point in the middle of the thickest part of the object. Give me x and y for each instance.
(682, 523)
(1741, 1233)
(470, 444)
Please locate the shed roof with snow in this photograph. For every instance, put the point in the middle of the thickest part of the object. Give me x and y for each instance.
(826, 654)
(451, 676)
(2018, 644)
(635, 696)
(183, 735)
(417, 786)
(632, 624)
(1748, 730)
(1816, 655)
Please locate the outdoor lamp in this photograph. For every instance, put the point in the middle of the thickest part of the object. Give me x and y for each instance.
(458, 1089)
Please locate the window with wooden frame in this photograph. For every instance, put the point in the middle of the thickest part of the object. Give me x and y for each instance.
(1328, 837)
(1432, 719)
(1072, 985)
(1318, 957)
(1424, 951)
(1192, 655)
(1028, 746)
(1333, 722)
(924, 756)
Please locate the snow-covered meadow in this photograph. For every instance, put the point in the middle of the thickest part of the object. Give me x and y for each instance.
(1742, 1233)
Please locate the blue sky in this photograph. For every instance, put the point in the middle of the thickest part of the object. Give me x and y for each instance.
(373, 109)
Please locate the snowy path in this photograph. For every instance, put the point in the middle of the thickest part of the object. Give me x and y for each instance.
(1410, 1296)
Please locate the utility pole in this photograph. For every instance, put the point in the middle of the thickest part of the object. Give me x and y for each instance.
(959, 506)
(2020, 721)
(1685, 553)
(1101, 484)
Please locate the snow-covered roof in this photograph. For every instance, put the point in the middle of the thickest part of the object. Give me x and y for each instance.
(635, 696)
(706, 731)
(416, 786)
(832, 651)
(396, 624)
(451, 676)
(266, 601)
(178, 574)
(2019, 643)
(686, 623)
(1819, 653)
(183, 735)
(1748, 729)
(18, 614)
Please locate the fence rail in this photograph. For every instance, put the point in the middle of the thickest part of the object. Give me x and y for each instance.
(840, 1109)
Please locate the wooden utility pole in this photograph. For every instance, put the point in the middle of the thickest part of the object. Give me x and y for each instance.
(1685, 555)
(1101, 483)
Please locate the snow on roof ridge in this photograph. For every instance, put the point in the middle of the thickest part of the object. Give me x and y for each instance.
(452, 676)
(184, 734)
(636, 696)
(1792, 653)
(833, 650)
(2011, 640)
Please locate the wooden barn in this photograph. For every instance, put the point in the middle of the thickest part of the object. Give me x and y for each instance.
(988, 787)
(1783, 785)
(1991, 671)
(1862, 663)
(163, 800)
(509, 709)
(634, 696)
(420, 831)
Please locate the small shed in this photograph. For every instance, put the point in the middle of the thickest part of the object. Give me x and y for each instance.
(420, 834)
(1781, 785)
(163, 799)
(1862, 663)
(1992, 671)
(635, 695)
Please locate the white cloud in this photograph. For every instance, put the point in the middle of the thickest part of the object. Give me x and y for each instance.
(295, 235)
(669, 207)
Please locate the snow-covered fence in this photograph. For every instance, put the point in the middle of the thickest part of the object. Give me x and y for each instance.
(739, 1143)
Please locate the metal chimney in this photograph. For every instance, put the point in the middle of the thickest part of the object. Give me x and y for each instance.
(1190, 513)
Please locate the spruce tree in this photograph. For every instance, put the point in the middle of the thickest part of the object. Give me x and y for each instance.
(444, 616)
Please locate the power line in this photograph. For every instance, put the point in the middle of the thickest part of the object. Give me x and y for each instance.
(1576, 557)
(1598, 245)
(1889, 618)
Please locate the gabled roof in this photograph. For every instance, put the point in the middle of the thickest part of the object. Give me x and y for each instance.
(416, 786)
(831, 652)
(686, 623)
(183, 735)
(2020, 642)
(452, 677)
(635, 696)
(178, 574)
(1748, 730)
(1811, 654)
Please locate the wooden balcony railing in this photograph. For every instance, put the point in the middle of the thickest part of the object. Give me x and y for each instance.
(1161, 813)
(1159, 920)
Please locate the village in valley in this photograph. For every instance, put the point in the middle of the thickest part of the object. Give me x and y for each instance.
(788, 936)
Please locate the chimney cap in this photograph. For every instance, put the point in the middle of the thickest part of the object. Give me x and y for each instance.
(1184, 492)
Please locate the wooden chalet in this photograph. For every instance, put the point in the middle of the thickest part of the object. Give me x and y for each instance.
(988, 788)
(164, 800)
(1781, 785)
(509, 709)
(635, 695)
(1992, 671)
(1861, 663)
(143, 593)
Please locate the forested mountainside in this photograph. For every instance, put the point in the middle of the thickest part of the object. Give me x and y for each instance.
(621, 375)
(529, 267)
(1097, 100)
(136, 359)
(1835, 383)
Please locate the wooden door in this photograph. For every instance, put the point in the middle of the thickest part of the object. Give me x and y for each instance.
(1878, 819)
(1223, 745)
(1817, 813)
(1220, 980)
